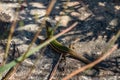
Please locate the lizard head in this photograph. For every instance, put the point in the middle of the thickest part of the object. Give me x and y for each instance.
(49, 29)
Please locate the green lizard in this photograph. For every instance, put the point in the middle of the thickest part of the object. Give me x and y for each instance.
(57, 46)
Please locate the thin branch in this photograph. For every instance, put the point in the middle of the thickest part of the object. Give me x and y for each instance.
(14, 62)
(91, 64)
(10, 73)
(41, 26)
(35, 63)
(10, 35)
(55, 68)
(50, 7)
(9, 40)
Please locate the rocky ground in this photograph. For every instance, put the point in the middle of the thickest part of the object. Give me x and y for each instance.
(98, 22)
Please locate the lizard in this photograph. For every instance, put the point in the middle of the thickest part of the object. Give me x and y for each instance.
(60, 48)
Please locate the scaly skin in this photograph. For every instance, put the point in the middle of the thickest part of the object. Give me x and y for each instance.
(57, 46)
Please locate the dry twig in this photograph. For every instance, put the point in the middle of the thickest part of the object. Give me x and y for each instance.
(91, 64)
(33, 66)
(55, 68)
